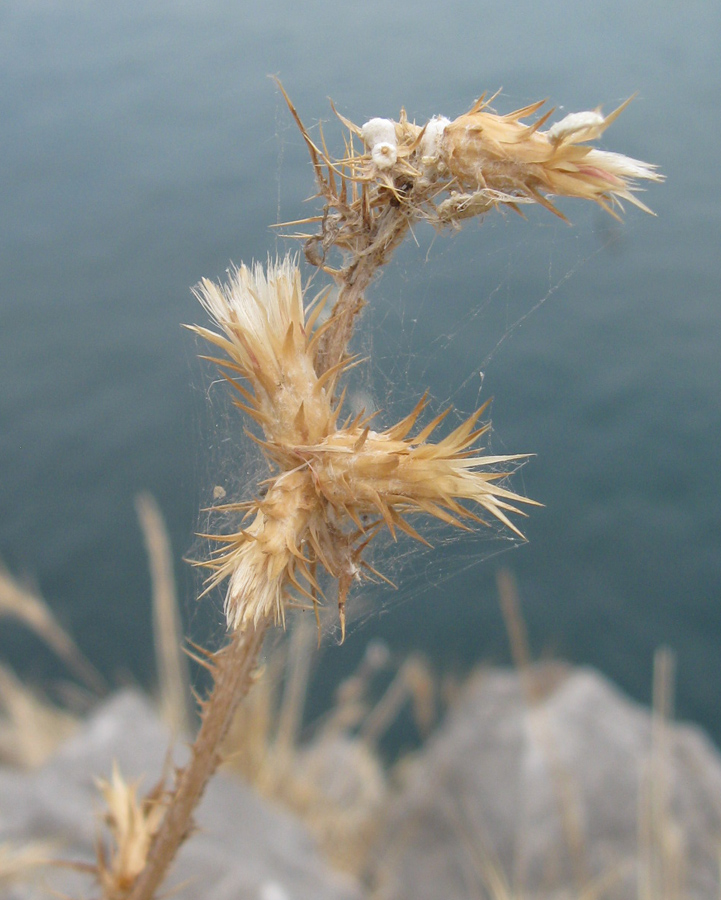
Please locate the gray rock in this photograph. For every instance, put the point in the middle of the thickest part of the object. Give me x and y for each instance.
(579, 787)
(245, 849)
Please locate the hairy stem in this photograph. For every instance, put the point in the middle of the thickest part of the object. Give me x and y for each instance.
(232, 672)
(354, 280)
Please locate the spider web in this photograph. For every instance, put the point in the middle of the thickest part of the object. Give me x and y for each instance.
(437, 321)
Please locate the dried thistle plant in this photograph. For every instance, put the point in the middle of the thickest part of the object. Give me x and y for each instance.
(334, 484)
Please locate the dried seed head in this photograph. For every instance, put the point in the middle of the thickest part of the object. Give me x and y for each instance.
(270, 345)
(334, 485)
(447, 172)
(484, 151)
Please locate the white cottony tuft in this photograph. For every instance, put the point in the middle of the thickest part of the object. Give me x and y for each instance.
(379, 136)
(384, 154)
(377, 130)
(432, 136)
(574, 124)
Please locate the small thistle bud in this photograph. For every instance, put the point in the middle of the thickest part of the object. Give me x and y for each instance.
(132, 822)
(268, 339)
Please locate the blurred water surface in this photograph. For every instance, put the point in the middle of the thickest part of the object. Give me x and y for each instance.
(142, 146)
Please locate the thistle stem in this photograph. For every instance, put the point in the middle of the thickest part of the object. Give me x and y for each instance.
(354, 279)
(232, 672)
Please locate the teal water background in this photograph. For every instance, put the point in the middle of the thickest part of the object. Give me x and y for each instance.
(142, 146)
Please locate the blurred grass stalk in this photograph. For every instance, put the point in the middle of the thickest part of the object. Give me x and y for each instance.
(31, 727)
(335, 484)
(661, 843)
(172, 663)
(22, 603)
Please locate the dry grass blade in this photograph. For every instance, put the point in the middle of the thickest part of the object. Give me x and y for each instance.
(173, 677)
(516, 629)
(28, 607)
(413, 682)
(661, 842)
(290, 714)
(20, 864)
(30, 729)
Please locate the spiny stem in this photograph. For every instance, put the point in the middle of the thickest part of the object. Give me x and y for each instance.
(232, 670)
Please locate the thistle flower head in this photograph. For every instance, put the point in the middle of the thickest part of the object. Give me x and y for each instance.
(484, 151)
(265, 338)
(332, 485)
